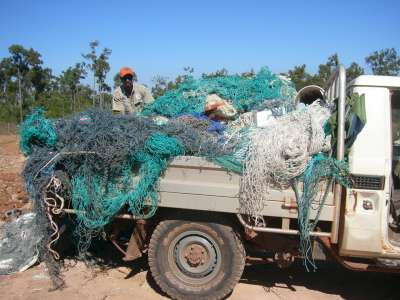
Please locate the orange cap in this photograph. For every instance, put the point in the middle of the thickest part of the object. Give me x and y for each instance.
(125, 71)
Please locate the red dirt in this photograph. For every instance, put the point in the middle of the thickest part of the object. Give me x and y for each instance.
(12, 189)
(261, 282)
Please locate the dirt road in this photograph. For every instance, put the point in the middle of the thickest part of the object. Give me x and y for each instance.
(133, 281)
(258, 282)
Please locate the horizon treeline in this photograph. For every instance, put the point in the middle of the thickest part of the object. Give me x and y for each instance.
(25, 83)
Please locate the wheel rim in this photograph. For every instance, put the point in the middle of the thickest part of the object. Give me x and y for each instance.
(195, 256)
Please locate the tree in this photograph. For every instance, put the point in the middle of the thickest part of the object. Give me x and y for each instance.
(70, 80)
(248, 74)
(99, 65)
(5, 79)
(384, 62)
(218, 73)
(353, 71)
(300, 77)
(40, 79)
(162, 85)
(325, 71)
(26, 68)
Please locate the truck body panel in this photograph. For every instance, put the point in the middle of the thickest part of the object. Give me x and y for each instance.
(194, 183)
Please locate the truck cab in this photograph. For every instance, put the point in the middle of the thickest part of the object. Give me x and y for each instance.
(370, 218)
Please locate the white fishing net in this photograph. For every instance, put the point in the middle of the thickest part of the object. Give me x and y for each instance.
(280, 152)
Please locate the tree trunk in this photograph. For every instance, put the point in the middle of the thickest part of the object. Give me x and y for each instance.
(77, 106)
(74, 101)
(94, 90)
(101, 100)
(62, 107)
(20, 96)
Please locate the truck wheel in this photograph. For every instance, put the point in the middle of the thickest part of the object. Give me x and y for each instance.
(190, 260)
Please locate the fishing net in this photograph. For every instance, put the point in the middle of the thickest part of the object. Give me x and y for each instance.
(291, 151)
(280, 152)
(36, 130)
(112, 163)
(321, 169)
(245, 94)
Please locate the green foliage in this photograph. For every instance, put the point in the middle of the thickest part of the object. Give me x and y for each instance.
(384, 62)
(248, 74)
(218, 73)
(26, 65)
(162, 85)
(354, 71)
(98, 64)
(71, 77)
(26, 84)
(23, 80)
(8, 113)
(70, 82)
(300, 77)
(40, 79)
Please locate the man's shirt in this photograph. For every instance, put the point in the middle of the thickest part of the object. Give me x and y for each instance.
(134, 103)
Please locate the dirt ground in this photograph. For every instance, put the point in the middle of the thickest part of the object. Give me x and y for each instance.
(12, 190)
(258, 282)
(133, 281)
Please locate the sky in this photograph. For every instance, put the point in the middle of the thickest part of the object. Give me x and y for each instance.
(162, 37)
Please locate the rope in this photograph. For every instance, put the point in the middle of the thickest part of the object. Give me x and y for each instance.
(53, 207)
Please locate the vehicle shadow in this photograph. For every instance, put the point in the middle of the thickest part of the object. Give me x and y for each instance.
(329, 278)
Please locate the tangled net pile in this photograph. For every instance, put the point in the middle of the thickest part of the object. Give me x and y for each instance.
(280, 152)
(245, 94)
(115, 162)
(100, 153)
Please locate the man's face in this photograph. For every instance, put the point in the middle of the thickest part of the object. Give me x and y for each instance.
(127, 81)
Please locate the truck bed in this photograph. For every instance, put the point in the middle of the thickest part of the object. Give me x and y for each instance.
(194, 183)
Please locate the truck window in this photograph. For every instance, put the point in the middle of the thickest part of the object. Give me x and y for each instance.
(395, 104)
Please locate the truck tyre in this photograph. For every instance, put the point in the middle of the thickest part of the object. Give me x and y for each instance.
(195, 260)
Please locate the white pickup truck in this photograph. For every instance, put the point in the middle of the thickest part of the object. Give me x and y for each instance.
(197, 243)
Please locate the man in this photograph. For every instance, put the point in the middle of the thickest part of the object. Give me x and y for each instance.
(130, 97)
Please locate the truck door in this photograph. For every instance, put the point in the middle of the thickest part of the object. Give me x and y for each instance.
(394, 215)
(364, 219)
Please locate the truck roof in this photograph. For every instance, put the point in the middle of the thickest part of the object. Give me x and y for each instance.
(375, 80)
